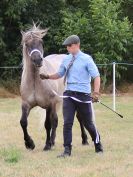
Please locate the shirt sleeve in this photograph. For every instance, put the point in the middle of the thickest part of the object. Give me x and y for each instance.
(92, 68)
(62, 70)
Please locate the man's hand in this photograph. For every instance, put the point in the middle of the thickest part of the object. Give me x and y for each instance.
(95, 97)
(44, 76)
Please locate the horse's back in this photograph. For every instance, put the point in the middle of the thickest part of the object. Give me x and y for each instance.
(55, 59)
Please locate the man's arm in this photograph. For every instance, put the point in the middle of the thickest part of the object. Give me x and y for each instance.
(57, 75)
(97, 84)
(52, 76)
(96, 94)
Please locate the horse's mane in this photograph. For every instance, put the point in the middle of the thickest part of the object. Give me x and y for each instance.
(34, 31)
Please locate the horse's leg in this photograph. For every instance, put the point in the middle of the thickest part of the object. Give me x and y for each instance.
(48, 130)
(29, 143)
(54, 124)
(83, 133)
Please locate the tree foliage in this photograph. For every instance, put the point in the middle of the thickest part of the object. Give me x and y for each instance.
(111, 33)
(104, 27)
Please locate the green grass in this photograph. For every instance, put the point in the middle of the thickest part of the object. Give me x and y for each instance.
(116, 136)
(10, 155)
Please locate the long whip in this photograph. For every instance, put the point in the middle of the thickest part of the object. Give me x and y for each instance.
(121, 116)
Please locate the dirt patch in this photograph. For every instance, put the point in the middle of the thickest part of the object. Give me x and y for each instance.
(6, 94)
(125, 87)
(121, 89)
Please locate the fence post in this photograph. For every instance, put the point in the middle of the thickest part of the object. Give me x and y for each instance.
(114, 105)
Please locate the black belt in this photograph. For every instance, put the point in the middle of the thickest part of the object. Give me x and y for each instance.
(76, 93)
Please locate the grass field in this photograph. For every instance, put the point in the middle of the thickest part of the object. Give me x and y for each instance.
(116, 133)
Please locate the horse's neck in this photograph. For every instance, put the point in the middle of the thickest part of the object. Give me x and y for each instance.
(28, 74)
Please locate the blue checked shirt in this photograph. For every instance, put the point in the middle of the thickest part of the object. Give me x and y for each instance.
(81, 72)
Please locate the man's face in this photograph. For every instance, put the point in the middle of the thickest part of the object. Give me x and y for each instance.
(73, 48)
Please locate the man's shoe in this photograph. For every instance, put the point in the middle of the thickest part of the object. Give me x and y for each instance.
(66, 153)
(98, 147)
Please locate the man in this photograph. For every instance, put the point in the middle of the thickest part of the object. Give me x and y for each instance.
(78, 69)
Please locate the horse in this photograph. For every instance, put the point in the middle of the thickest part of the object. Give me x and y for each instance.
(36, 92)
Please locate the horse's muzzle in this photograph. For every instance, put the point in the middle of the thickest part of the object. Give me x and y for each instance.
(38, 65)
(38, 62)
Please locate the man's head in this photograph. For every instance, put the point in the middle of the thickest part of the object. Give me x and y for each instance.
(72, 43)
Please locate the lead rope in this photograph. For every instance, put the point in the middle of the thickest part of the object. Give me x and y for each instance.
(68, 68)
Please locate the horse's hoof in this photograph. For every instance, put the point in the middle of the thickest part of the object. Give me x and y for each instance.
(85, 143)
(30, 144)
(47, 147)
(52, 144)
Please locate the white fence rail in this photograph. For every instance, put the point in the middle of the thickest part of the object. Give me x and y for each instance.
(113, 77)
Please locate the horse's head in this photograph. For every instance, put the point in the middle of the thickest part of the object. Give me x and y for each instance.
(33, 43)
(34, 47)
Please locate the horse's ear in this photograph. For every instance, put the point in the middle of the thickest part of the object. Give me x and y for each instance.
(22, 32)
(44, 32)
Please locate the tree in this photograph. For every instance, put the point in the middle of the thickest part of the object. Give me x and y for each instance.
(73, 22)
(101, 24)
(111, 34)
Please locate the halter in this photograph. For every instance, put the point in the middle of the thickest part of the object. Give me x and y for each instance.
(36, 50)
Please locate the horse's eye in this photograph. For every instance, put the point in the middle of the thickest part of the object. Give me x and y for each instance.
(27, 45)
